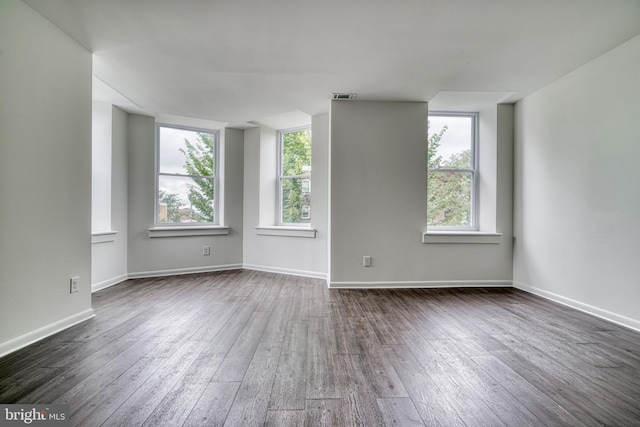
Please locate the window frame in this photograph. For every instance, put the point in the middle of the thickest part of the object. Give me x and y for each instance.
(474, 170)
(215, 177)
(280, 177)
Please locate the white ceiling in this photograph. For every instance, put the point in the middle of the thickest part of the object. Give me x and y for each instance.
(248, 61)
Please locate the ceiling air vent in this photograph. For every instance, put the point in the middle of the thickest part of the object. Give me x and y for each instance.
(344, 96)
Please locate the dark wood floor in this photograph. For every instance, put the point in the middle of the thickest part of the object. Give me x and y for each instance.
(248, 348)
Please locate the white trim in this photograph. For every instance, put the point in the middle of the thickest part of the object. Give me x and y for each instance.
(302, 273)
(286, 231)
(461, 237)
(178, 271)
(46, 331)
(586, 308)
(103, 237)
(183, 231)
(119, 279)
(423, 284)
(108, 283)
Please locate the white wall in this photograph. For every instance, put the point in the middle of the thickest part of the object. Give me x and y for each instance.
(378, 203)
(171, 255)
(45, 177)
(577, 188)
(295, 255)
(109, 258)
(101, 166)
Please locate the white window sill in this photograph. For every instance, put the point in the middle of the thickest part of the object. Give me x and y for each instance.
(188, 231)
(103, 237)
(286, 231)
(480, 237)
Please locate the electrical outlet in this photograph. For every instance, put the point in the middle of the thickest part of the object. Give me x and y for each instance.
(74, 283)
(206, 250)
(366, 261)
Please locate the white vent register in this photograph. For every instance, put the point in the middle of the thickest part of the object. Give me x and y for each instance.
(344, 96)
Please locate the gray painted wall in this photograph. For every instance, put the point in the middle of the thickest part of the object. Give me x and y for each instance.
(168, 255)
(378, 202)
(45, 177)
(119, 191)
(577, 206)
(109, 259)
(575, 188)
(306, 256)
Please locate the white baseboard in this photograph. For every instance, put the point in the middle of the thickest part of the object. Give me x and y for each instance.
(589, 309)
(177, 271)
(33, 336)
(423, 284)
(302, 273)
(109, 282)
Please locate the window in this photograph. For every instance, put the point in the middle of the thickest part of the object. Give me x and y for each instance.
(453, 174)
(186, 180)
(294, 176)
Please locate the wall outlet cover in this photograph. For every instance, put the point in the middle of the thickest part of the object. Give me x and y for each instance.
(74, 283)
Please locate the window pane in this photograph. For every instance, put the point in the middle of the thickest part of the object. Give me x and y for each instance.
(449, 199)
(186, 152)
(296, 204)
(450, 142)
(182, 199)
(296, 152)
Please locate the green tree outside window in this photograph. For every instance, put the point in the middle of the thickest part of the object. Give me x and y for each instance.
(295, 176)
(449, 192)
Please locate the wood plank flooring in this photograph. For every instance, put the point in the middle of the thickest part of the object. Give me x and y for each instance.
(246, 348)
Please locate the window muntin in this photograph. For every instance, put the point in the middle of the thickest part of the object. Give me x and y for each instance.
(452, 174)
(294, 177)
(186, 178)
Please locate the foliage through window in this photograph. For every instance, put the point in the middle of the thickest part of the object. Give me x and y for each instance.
(186, 176)
(294, 176)
(452, 175)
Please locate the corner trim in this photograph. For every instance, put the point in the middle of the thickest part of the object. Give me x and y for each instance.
(423, 284)
(103, 237)
(610, 316)
(475, 237)
(41, 333)
(187, 231)
(109, 282)
(286, 231)
(302, 273)
(177, 271)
